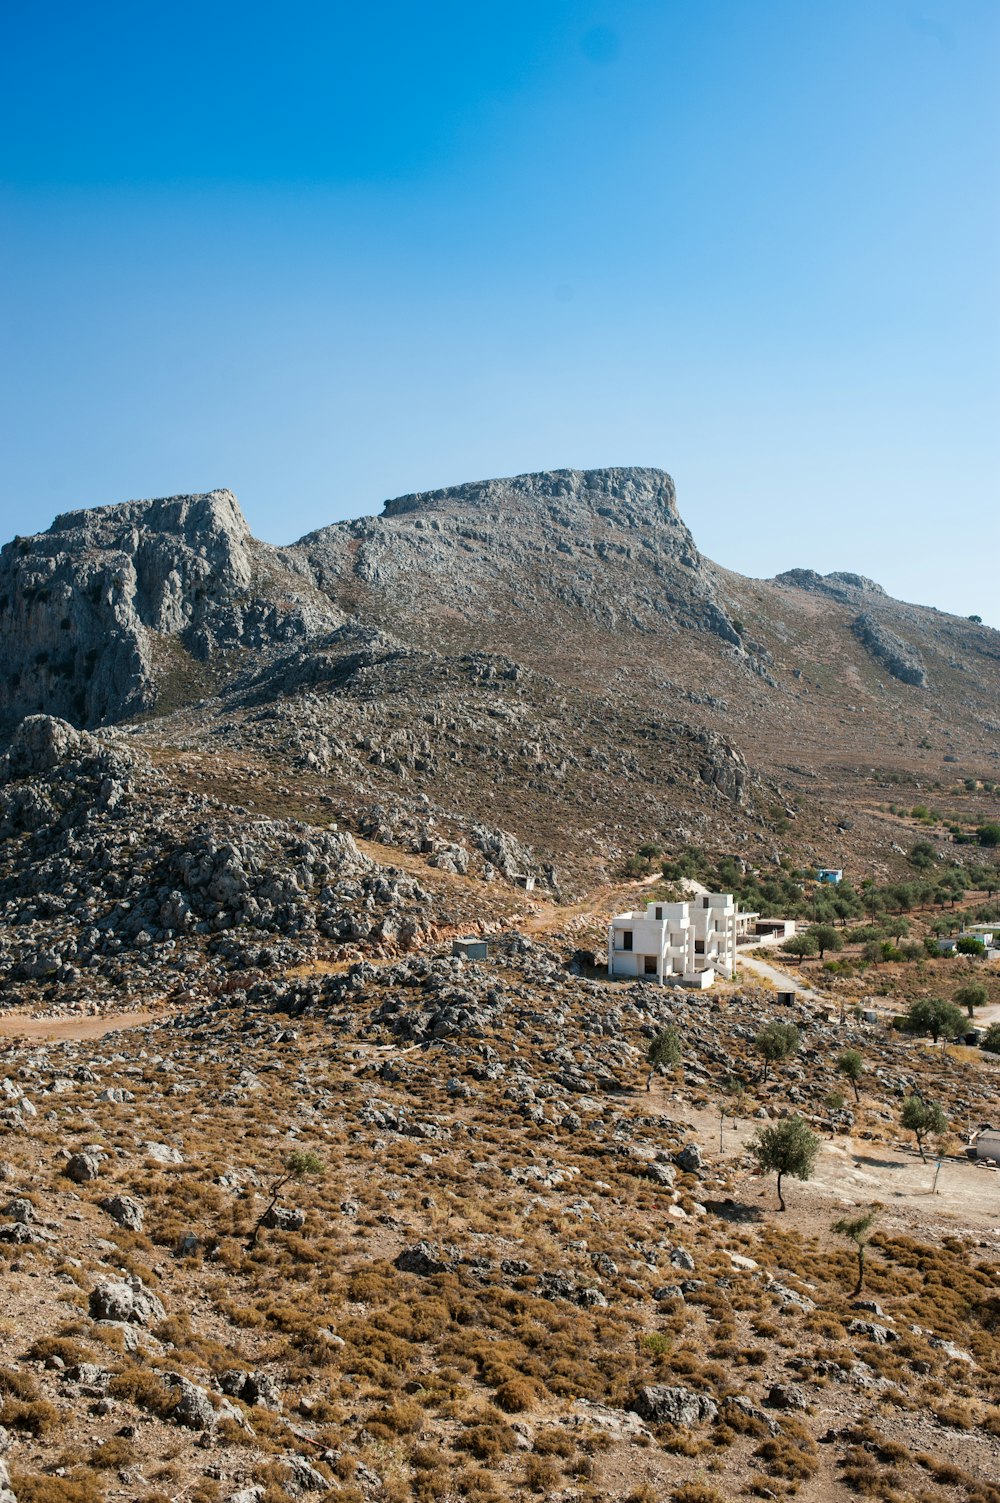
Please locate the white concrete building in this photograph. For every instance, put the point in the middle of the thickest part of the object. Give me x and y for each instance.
(685, 941)
(655, 941)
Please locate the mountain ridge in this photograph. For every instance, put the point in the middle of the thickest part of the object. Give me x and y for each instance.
(550, 652)
(82, 603)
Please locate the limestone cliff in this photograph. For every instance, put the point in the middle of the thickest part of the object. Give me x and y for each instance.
(88, 607)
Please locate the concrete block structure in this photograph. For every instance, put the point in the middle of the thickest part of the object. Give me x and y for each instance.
(684, 943)
(470, 949)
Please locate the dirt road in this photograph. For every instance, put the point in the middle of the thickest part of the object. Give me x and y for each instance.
(18, 1026)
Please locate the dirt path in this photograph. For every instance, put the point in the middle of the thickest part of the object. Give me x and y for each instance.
(782, 980)
(548, 916)
(18, 1026)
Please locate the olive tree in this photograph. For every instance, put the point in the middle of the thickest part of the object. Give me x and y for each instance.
(825, 937)
(852, 1065)
(922, 1118)
(788, 1147)
(775, 1042)
(971, 996)
(664, 1052)
(300, 1164)
(859, 1230)
(935, 1016)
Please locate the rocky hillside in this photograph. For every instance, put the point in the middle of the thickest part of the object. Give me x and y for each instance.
(420, 1232)
(97, 613)
(297, 1202)
(544, 655)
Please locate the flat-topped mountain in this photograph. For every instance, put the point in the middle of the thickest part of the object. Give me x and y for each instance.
(550, 649)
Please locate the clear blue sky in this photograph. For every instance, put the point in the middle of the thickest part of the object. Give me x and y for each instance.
(327, 253)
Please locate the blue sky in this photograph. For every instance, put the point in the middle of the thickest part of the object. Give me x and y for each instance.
(325, 254)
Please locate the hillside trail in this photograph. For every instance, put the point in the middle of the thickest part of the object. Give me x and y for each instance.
(547, 916)
(781, 979)
(93, 1026)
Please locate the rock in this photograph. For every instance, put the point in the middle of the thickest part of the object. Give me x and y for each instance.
(252, 1387)
(40, 743)
(895, 655)
(746, 1407)
(284, 1219)
(163, 1153)
(127, 1212)
(689, 1159)
(81, 1168)
(131, 1302)
(423, 1259)
(92, 1379)
(879, 1334)
(301, 1477)
(193, 1409)
(787, 1396)
(662, 1405)
(6, 1492)
(82, 604)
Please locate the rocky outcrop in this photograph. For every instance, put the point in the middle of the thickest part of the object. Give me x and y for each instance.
(94, 611)
(896, 656)
(838, 585)
(100, 859)
(605, 545)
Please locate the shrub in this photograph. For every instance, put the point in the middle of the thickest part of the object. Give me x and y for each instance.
(991, 1039)
(515, 1394)
(665, 1048)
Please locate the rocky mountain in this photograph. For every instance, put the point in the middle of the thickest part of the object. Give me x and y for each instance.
(544, 654)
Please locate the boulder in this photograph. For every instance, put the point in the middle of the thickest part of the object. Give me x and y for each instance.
(663, 1405)
(131, 1302)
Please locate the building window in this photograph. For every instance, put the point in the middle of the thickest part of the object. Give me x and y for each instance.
(659, 913)
(626, 939)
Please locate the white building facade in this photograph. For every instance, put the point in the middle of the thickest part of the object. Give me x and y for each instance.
(684, 942)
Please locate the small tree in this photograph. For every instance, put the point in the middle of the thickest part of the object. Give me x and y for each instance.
(923, 855)
(969, 945)
(971, 996)
(299, 1164)
(775, 1042)
(859, 1230)
(733, 1102)
(825, 937)
(800, 945)
(788, 1147)
(935, 1016)
(664, 1052)
(991, 1039)
(921, 1118)
(852, 1065)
